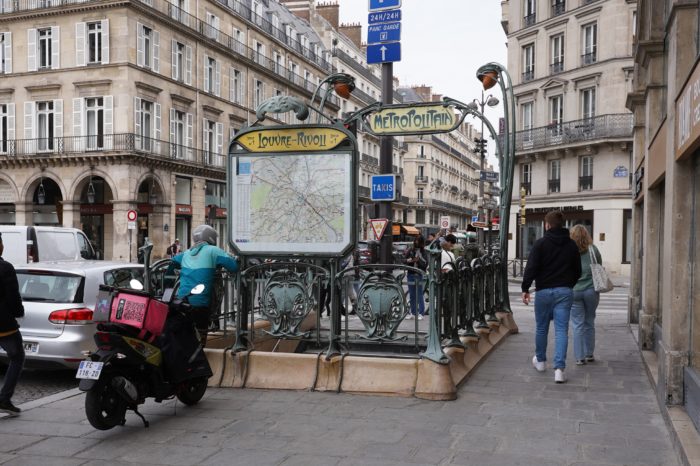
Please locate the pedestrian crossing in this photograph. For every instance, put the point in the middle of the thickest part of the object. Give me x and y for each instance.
(614, 302)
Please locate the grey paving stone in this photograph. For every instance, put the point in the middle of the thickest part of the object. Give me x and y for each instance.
(19, 426)
(378, 435)
(59, 446)
(504, 459)
(245, 457)
(167, 454)
(30, 460)
(310, 460)
(13, 442)
(618, 455)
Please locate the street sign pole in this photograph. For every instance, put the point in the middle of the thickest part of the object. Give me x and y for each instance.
(385, 165)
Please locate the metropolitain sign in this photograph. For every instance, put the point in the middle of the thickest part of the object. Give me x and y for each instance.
(406, 119)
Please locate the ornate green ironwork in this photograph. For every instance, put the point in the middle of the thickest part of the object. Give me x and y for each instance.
(382, 305)
(287, 299)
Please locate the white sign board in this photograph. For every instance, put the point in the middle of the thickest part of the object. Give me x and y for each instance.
(131, 225)
(445, 222)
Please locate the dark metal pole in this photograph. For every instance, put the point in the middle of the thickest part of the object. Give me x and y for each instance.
(385, 165)
(481, 236)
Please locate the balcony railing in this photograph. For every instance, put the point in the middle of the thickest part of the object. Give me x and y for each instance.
(421, 179)
(585, 183)
(363, 192)
(556, 67)
(601, 127)
(369, 159)
(123, 142)
(558, 8)
(554, 186)
(529, 75)
(588, 58)
(529, 20)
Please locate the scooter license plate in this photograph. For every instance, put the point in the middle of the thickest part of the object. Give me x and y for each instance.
(89, 370)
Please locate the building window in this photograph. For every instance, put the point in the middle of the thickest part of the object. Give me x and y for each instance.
(94, 122)
(145, 129)
(420, 217)
(178, 129)
(558, 7)
(6, 52)
(209, 140)
(556, 115)
(236, 86)
(44, 48)
(554, 176)
(209, 74)
(178, 61)
(557, 45)
(45, 125)
(585, 179)
(7, 126)
(528, 62)
(530, 16)
(279, 63)
(259, 57)
(147, 50)
(257, 12)
(419, 194)
(94, 42)
(590, 44)
(627, 232)
(238, 41)
(588, 103)
(526, 177)
(527, 121)
(259, 94)
(212, 26)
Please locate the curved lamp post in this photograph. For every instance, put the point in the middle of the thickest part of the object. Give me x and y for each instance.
(342, 83)
(490, 74)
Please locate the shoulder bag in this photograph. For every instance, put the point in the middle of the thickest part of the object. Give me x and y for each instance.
(601, 279)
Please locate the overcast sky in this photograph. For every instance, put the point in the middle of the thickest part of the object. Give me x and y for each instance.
(443, 42)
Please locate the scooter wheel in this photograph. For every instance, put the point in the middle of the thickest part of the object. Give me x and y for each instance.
(104, 407)
(191, 391)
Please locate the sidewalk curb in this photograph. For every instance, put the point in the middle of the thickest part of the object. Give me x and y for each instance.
(50, 399)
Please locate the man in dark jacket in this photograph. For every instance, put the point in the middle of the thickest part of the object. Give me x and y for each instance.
(555, 266)
(10, 338)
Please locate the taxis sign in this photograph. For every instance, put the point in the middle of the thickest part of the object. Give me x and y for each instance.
(401, 119)
(292, 139)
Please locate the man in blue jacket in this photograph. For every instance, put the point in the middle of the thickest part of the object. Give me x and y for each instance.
(555, 266)
(10, 339)
(198, 265)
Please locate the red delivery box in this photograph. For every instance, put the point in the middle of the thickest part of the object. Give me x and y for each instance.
(140, 311)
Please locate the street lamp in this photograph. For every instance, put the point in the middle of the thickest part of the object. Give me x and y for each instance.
(491, 101)
(41, 194)
(91, 191)
(342, 83)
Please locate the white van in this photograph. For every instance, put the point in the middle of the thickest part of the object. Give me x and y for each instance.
(24, 245)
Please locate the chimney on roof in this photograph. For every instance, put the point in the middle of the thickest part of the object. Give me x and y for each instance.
(330, 12)
(300, 8)
(424, 92)
(354, 33)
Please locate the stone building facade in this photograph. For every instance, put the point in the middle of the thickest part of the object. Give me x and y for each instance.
(107, 107)
(571, 65)
(665, 287)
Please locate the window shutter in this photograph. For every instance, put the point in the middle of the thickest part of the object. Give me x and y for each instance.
(232, 85)
(207, 84)
(217, 82)
(219, 138)
(190, 135)
(105, 41)
(8, 52)
(10, 136)
(140, 55)
(188, 65)
(231, 133)
(55, 48)
(7, 6)
(137, 123)
(156, 53)
(173, 60)
(156, 128)
(108, 102)
(205, 139)
(31, 49)
(80, 45)
(173, 130)
(78, 124)
(29, 131)
(57, 120)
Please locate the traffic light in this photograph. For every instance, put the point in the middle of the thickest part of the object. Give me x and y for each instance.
(480, 147)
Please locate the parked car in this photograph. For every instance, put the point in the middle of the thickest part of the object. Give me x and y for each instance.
(27, 244)
(59, 299)
(364, 253)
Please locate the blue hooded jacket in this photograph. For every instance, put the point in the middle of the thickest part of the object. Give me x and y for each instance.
(198, 265)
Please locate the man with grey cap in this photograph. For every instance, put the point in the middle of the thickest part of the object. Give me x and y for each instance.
(10, 338)
(198, 265)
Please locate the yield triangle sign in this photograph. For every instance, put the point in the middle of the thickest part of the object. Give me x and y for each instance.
(378, 226)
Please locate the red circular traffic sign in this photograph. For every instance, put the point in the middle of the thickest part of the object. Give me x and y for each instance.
(131, 215)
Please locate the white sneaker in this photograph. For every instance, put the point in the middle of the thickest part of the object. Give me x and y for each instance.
(539, 366)
(420, 317)
(559, 376)
(409, 317)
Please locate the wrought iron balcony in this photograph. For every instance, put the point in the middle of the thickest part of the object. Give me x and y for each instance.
(529, 75)
(110, 143)
(558, 7)
(364, 192)
(588, 58)
(554, 186)
(369, 159)
(613, 126)
(556, 67)
(585, 183)
(421, 179)
(529, 20)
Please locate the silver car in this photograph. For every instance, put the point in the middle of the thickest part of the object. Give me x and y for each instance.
(59, 300)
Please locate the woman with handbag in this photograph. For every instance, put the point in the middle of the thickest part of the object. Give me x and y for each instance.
(586, 297)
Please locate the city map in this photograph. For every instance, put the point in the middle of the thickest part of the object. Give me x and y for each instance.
(292, 203)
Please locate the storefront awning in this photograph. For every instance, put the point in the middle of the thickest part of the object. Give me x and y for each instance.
(413, 231)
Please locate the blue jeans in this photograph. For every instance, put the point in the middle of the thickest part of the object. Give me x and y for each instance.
(583, 321)
(12, 344)
(415, 293)
(553, 304)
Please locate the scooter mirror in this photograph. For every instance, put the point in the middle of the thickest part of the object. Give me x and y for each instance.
(199, 289)
(135, 284)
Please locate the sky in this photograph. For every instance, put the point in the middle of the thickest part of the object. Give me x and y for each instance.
(443, 43)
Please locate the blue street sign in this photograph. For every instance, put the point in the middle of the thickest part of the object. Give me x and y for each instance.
(387, 32)
(379, 5)
(384, 16)
(490, 177)
(384, 53)
(383, 188)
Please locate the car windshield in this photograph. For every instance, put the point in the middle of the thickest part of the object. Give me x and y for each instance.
(50, 287)
(121, 278)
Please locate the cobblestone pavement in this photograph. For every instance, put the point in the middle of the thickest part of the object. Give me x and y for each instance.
(35, 384)
(507, 414)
